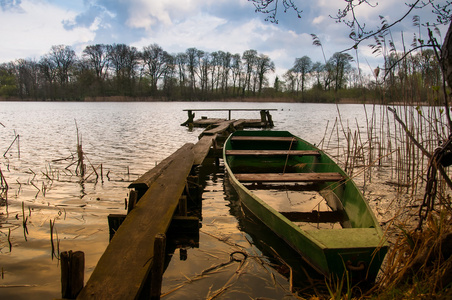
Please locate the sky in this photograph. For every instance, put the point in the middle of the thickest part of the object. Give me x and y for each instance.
(29, 28)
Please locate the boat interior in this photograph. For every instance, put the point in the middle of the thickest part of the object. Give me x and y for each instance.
(288, 178)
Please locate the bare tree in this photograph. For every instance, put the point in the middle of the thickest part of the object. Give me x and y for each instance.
(155, 60)
(249, 57)
(302, 66)
(340, 64)
(96, 58)
(124, 60)
(63, 58)
(263, 66)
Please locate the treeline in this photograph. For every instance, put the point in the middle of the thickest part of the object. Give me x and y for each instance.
(196, 75)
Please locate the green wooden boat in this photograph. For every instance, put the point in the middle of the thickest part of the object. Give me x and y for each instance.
(303, 196)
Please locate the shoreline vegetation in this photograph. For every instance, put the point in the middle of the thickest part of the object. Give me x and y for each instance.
(226, 100)
(119, 72)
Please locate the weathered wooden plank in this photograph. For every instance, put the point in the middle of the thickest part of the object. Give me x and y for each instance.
(314, 216)
(202, 147)
(147, 179)
(264, 138)
(223, 126)
(206, 122)
(288, 177)
(273, 152)
(125, 264)
(239, 123)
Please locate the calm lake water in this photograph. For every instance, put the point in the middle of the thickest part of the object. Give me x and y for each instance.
(128, 139)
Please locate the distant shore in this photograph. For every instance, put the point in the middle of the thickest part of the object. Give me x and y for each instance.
(238, 99)
(151, 99)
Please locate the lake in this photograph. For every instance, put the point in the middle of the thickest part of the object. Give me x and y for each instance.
(128, 139)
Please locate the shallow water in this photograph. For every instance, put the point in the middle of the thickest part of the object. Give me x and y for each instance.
(128, 139)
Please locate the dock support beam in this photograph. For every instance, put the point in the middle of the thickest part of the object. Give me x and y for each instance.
(158, 266)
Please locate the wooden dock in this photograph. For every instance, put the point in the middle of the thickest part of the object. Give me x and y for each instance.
(132, 264)
(265, 121)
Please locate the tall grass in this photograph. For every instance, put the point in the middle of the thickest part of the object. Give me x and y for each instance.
(394, 154)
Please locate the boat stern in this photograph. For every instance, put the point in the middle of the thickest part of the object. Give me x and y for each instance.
(357, 251)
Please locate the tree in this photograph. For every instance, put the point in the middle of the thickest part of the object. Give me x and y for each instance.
(249, 57)
(96, 58)
(193, 57)
(291, 80)
(63, 58)
(47, 69)
(316, 71)
(180, 62)
(236, 67)
(226, 64)
(7, 81)
(27, 76)
(156, 61)
(124, 61)
(340, 64)
(263, 66)
(302, 66)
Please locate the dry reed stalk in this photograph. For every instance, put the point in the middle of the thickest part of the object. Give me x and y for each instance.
(422, 259)
(9, 240)
(80, 165)
(16, 138)
(24, 222)
(222, 240)
(3, 190)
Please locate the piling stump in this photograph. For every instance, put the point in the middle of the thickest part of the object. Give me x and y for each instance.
(72, 273)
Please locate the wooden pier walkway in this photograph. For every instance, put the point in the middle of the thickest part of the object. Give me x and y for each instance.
(131, 267)
(265, 120)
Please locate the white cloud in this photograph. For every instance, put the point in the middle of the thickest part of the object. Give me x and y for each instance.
(35, 29)
(144, 14)
(318, 20)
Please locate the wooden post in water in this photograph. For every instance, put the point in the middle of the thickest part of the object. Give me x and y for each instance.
(157, 266)
(263, 117)
(72, 273)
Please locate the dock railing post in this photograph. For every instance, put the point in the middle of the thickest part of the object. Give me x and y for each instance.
(263, 117)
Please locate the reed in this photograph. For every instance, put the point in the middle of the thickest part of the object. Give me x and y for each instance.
(3, 189)
(80, 169)
(55, 244)
(24, 222)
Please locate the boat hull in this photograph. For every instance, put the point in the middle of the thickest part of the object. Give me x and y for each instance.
(358, 249)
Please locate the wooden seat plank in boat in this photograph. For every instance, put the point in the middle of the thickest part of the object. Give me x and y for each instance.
(288, 177)
(273, 152)
(314, 216)
(264, 138)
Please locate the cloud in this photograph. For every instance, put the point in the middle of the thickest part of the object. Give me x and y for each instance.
(11, 5)
(33, 29)
(318, 20)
